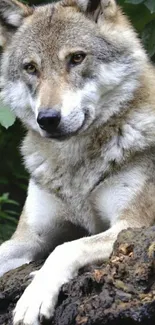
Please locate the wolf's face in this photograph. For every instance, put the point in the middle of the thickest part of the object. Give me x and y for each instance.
(65, 69)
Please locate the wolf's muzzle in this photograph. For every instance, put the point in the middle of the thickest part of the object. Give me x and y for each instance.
(49, 120)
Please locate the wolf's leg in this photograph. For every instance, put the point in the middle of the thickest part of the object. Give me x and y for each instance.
(16, 252)
(39, 299)
(128, 199)
(41, 228)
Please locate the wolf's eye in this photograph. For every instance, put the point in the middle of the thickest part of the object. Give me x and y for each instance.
(30, 68)
(77, 58)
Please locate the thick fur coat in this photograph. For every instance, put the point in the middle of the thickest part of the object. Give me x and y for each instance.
(77, 76)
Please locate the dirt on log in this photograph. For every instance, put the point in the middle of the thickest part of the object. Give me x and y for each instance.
(118, 292)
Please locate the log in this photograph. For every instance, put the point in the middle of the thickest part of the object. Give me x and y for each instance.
(121, 291)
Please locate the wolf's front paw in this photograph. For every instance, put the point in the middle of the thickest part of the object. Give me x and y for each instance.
(37, 302)
(39, 299)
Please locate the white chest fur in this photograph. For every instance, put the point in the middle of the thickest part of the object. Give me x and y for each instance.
(75, 181)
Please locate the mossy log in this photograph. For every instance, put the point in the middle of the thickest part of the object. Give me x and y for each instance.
(121, 291)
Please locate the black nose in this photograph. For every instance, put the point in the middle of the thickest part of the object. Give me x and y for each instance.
(49, 120)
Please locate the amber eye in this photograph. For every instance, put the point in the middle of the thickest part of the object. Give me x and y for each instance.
(30, 68)
(77, 58)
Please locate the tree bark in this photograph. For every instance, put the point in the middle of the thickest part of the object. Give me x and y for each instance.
(121, 291)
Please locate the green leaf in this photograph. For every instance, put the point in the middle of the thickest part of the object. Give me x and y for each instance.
(148, 37)
(4, 197)
(139, 15)
(11, 212)
(6, 217)
(7, 118)
(150, 4)
(134, 2)
(12, 202)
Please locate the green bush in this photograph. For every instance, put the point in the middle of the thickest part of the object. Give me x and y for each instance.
(13, 178)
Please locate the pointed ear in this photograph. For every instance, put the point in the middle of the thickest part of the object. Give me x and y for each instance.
(95, 8)
(88, 5)
(12, 14)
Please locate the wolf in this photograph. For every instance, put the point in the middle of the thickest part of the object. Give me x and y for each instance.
(76, 75)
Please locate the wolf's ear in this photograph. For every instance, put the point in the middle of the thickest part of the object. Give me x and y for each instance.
(94, 8)
(88, 5)
(12, 14)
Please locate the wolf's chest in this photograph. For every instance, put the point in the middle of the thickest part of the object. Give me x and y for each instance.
(72, 176)
(71, 183)
(68, 182)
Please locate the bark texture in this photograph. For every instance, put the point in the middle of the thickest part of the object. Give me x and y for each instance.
(118, 292)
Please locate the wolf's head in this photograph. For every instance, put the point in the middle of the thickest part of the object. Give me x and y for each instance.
(69, 65)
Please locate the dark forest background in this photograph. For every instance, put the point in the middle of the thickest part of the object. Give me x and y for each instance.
(13, 177)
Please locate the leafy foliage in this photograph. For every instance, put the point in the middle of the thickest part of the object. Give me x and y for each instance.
(13, 178)
(7, 118)
(142, 15)
(7, 216)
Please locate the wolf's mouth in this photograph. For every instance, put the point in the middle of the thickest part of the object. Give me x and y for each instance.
(59, 137)
(62, 134)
